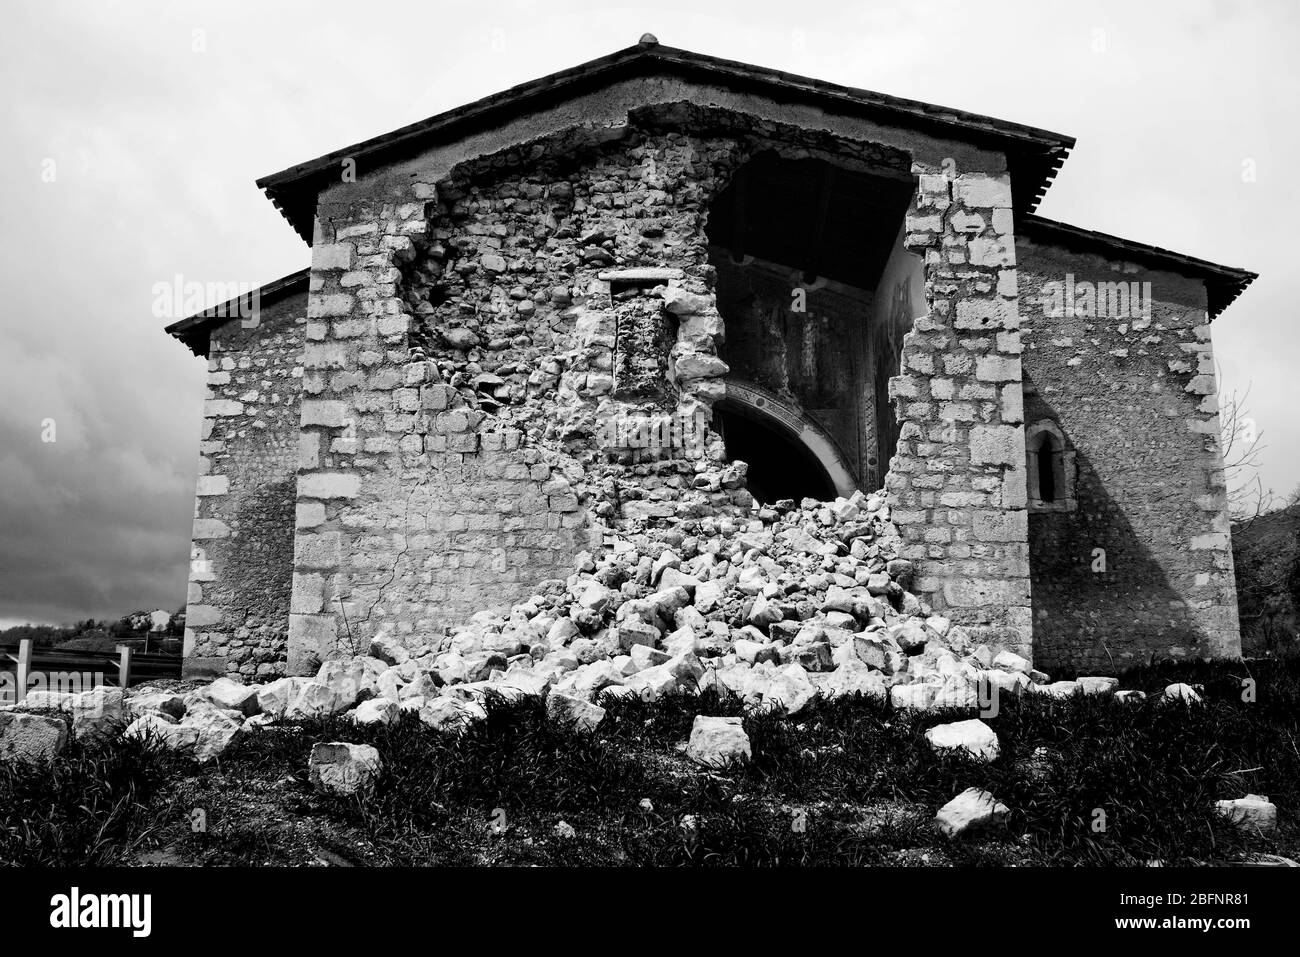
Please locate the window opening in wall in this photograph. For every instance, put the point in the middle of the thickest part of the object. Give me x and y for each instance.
(1050, 473)
(1047, 469)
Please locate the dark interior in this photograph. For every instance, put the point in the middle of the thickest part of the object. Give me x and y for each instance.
(779, 465)
(810, 215)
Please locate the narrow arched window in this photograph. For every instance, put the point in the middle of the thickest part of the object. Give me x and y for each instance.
(1048, 465)
(1050, 474)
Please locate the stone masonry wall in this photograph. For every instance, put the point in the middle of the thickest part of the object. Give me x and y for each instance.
(957, 480)
(1136, 562)
(242, 552)
(500, 312)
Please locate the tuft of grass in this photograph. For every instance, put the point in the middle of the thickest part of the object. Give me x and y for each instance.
(85, 808)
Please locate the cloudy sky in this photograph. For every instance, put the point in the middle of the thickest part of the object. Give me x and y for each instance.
(133, 132)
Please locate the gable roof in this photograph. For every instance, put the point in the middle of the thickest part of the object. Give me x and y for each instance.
(194, 330)
(1223, 284)
(1034, 155)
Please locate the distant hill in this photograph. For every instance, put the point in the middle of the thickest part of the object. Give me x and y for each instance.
(1266, 551)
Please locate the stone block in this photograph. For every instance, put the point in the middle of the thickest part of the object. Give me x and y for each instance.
(324, 550)
(212, 485)
(333, 256)
(308, 594)
(325, 306)
(311, 639)
(205, 528)
(1000, 526)
(981, 191)
(329, 485)
(326, 413)
(997, 368)
(219, 408)
(996, 445)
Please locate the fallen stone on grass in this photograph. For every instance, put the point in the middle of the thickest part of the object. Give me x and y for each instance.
(803, 602)
(971, 811)
(376, 711)
(718, 742)
(1253, 812)
(340, 768)
(1181, 692)
(448, 714)
(158, 729)
(1098, 685)
(216, 729)
(919, 695)
(1059, 689)
(584, 715)
(973, 736)
(97, 713)
(31, 738)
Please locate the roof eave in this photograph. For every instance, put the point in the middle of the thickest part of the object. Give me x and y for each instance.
(1223, 283)
(194, 330)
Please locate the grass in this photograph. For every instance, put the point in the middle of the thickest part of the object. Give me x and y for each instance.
(848, 782)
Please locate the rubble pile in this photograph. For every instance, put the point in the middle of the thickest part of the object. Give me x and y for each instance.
(809, 600)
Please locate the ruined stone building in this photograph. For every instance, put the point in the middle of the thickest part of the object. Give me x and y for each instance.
(571, 308)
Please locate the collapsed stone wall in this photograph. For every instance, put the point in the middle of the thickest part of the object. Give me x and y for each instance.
(242, 553)
(1133, 558)
(530, 294)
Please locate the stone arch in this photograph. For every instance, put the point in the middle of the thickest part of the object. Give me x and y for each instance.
(754, 401)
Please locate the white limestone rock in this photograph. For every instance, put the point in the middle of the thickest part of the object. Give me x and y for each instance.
(1254, 812)
(855, 678)
(231, 695)
(584, 715)
(1098, 685)
(145, 699)
(718, 742)
(973, 736)
(217, 730)
(31, 738)
(1183, 693)
(277, 696)
(971, 811)
(790, 689)
(918, 695)
(158, 729)
(343, 769)
(376, 711)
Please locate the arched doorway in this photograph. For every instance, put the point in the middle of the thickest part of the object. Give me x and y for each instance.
(789, 455)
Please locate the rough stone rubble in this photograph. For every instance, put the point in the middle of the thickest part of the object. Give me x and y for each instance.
(809, 600)
(812, 604)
